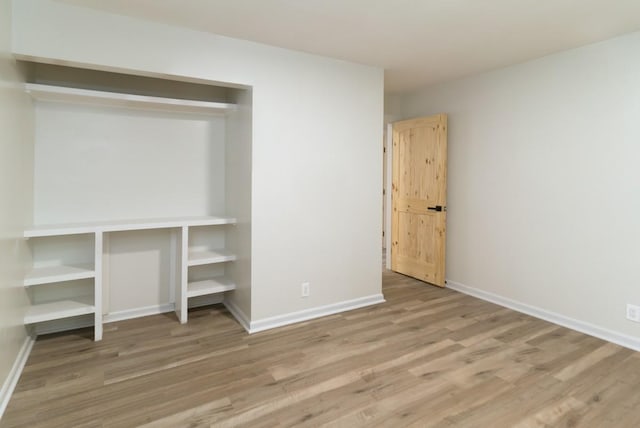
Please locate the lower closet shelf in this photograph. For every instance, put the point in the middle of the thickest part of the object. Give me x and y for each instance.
(210, 286)
(60, 309)
(51, 274)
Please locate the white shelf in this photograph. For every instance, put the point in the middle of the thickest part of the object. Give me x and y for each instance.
(122, 225)
(210, 286)
(116, 99)
(58, 310)
(205, 257)
(51, 274)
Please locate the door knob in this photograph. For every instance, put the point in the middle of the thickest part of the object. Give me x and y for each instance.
(437, 208)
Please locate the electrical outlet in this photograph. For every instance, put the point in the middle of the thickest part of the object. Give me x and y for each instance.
(633, 312)
(304, 292)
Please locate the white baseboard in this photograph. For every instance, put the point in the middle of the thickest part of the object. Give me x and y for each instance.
(138, 312)
(65, 324)
(209, 299)
(238, 314)
(621, 339)
(307, 314)
(88, 320)
(14, 374)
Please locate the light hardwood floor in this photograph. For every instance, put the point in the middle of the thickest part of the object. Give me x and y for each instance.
(427, 357)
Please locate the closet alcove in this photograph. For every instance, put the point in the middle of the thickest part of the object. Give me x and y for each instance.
(141, 196)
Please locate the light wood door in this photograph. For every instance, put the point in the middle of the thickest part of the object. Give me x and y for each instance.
(419, 198)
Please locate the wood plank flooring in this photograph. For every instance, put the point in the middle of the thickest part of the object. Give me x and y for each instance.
(427, 357)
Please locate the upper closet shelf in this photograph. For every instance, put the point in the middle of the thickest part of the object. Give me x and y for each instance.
(117, 226)
(116, 99)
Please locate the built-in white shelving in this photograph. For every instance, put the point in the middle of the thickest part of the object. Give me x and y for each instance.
(50, 278)
(116, 99)
(60, 309)
(195, 137)
(52, 274)
(123, 225)
(186, 257)
(203, 257)
(197, 256)
(209, 286)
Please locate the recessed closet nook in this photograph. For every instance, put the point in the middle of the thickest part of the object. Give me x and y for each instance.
(141, 196)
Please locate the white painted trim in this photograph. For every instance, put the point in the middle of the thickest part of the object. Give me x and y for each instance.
(138, 312)
(320, 311)
(206, 300)
(621, 339)
(173, 267)
(389, 184)
(75, 323)
(238, 314)
(64, 324)
(106, 273)
(64, 94)
(97, 286)
(120, 226)
(14, 374)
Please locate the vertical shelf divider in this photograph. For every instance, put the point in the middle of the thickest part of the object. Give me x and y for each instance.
(97, 293)
(174, 266)
(106, 288)
(182, 254)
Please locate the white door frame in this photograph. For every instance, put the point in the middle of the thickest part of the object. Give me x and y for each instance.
(387, 215)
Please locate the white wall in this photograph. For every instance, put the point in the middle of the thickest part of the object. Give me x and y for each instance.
(15, 194)
(316, 166)
(94, 163)
(238, 199)
(98, 163)
(544, 182)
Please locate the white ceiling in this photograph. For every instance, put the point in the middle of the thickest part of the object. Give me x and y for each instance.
(417, 42)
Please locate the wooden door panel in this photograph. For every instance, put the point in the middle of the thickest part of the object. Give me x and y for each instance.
(423, 166)
(416, 256)
(410, 228)
(419, 182)
(419, 272)
(416, 180)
